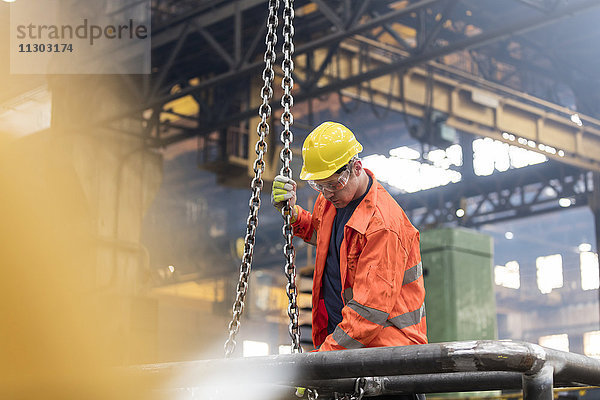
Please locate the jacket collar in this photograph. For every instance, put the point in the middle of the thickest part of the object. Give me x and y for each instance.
(366, 208)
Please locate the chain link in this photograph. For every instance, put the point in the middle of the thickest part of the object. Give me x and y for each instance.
(287, 119)
(359, 388)
(359, 391)
(262, 129)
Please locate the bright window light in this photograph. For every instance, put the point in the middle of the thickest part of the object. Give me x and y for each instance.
(492, 155)
(285, 349)
(549, 273)
(509, 235)
(508, 275)
(405, 152)
(585, 247)
(402, 171)
(454, 154)
(557, 342)
(253, 348)
(576, 119)
(28, 113)
(564, 202)
(591, 344)
(436, 156)
(588, 263)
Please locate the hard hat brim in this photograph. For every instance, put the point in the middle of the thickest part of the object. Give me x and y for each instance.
(307, 176)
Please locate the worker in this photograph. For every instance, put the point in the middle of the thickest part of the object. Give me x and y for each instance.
(368, 280)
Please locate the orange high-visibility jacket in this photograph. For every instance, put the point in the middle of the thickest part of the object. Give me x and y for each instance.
(381, 271)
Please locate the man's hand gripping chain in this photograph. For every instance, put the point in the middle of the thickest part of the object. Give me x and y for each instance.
(284, 189)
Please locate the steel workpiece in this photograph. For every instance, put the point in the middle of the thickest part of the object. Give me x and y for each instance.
(539, 386)
(437, 366)
(423, 383)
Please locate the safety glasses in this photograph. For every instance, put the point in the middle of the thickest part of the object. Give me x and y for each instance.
(333, 186)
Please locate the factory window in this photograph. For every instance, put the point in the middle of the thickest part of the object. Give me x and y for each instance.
(490, 155)
(253, 348)
(508, 275)
(416, 175)
(549, 273)
(588, 262)
(285, 349)
(557, 342)
(591, 344)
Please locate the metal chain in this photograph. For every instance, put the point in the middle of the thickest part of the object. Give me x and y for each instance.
(262, 129)
(359, 391)
(287, 119)
(359, 388)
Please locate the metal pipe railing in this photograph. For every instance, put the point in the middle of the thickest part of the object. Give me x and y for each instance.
(436, 367)
(422, 383)
(539, 386)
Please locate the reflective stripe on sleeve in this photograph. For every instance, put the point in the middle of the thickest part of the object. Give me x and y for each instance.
(408, 319)
(348, 294)
(412, 274)
(370, 314)
(345, 340)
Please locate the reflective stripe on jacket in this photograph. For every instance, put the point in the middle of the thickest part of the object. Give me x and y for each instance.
(382, 276)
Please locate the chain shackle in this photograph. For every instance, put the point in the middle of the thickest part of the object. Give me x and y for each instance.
(262, 129)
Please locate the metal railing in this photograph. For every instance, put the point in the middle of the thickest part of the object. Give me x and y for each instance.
(430, 368)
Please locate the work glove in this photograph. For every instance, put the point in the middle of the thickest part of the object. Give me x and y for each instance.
(312, 394)
(284, 189)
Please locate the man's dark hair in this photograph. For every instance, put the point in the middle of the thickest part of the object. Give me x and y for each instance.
(346, 166)
(342, 169)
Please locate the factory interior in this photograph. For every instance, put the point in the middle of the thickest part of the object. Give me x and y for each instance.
(140, 245)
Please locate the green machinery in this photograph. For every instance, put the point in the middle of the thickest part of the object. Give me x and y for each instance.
(460, 302)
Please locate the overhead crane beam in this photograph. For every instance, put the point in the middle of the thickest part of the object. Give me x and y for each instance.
(459, 96)
(573, 141)
(475, 106)
(218, 11)
(245, 70)
(501, 197)
(221, 12)
(203, 16)
(199, 19)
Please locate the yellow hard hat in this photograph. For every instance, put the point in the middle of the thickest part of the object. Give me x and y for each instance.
(326, 149)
